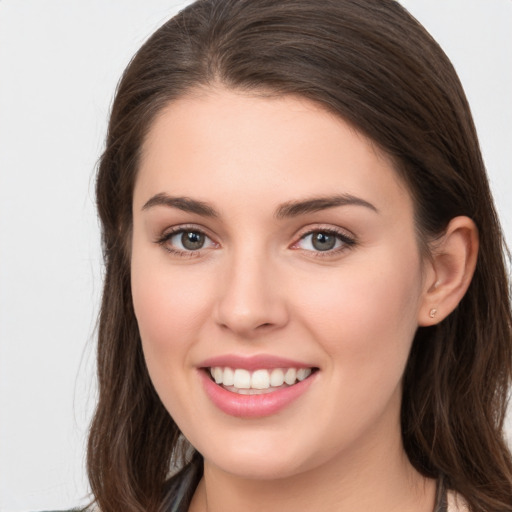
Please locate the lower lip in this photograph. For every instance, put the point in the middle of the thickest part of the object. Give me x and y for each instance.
(253, 406)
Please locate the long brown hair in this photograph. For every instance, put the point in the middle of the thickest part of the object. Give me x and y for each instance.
(374, 65)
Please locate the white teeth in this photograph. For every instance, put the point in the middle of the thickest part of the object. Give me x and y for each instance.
(260, 379)
(263, 379)
(228, 379)
(242, 379)
(277, 377)
(217, 375)
(290, 376)
(303, 373)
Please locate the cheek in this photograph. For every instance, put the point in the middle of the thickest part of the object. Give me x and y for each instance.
(365, 319)
(366, 313)
(169, 306)
(170, 309)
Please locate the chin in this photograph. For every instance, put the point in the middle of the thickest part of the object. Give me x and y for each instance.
(262, 459)
(259, 467)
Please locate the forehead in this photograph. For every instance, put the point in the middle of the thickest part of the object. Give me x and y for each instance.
(221, 144)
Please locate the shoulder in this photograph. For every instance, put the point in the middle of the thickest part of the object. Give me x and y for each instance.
(456, 503)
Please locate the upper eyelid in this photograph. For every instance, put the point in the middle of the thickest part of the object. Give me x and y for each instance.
(347, 238)
(337, 230)
(299, 235)
(172, 230)
(164, 238)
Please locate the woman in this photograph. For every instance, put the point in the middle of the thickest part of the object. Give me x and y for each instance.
(305, 302)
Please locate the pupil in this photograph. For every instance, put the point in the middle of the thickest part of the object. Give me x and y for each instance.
(192, 240)
(323, 241)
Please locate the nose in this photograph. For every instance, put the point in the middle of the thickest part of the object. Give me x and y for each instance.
(251, 297)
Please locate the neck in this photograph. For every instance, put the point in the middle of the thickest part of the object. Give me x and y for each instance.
(376, 478)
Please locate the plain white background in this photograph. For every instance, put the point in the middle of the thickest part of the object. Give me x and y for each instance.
(59, 65)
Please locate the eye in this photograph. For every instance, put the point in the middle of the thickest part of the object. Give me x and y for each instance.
(188, 240)
(324, 241)
(183, 241)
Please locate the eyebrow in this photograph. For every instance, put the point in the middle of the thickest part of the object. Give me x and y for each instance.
(286, 210)
(315, 204)
(185, 204)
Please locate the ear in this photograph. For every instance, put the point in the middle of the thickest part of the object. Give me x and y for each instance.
(450, 270)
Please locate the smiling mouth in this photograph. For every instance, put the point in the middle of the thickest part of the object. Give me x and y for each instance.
(257, 382)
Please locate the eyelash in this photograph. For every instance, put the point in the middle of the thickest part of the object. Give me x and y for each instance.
(346, 240)
(166, 237)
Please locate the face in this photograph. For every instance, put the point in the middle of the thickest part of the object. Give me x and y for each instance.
(273, 247)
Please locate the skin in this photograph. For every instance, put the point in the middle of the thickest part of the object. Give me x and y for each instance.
(259, 286)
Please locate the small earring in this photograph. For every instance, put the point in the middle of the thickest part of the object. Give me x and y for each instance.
(433, 312)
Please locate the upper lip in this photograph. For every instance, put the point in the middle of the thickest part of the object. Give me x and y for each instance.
(255, 362)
